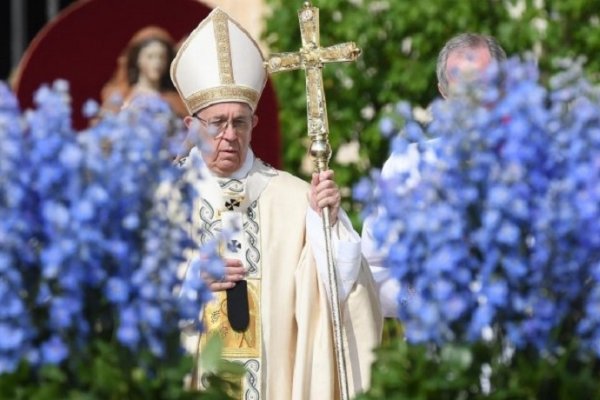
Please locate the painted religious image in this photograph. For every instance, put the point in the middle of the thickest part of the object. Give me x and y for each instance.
(143, 70)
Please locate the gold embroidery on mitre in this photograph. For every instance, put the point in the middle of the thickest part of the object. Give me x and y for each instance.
(204, 98)
(221, 28)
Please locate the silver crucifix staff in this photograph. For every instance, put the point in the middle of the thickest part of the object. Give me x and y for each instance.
(311, 58)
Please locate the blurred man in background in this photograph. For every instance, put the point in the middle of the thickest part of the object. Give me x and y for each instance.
(463, 58)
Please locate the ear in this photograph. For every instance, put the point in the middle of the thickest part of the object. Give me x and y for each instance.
(187, 120)
(254, 121)
(444, 95)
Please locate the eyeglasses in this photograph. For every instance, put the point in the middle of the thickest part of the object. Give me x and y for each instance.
(217, 126)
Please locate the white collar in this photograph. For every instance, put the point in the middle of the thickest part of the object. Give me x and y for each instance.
(246, 166)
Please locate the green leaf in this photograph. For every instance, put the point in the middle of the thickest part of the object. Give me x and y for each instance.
(210, 357)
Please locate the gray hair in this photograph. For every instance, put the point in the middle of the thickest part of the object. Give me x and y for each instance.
(466, 41)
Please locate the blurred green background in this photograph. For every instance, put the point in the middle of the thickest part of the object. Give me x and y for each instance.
(400, 41)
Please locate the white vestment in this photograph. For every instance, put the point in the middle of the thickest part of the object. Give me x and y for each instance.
(288, 347)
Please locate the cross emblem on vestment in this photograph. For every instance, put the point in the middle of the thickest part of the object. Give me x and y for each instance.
(232, 203)
(234, 246)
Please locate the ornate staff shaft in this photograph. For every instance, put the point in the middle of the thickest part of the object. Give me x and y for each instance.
(311, 58)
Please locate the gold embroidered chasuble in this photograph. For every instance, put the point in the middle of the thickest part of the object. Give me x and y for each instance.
(288, 347)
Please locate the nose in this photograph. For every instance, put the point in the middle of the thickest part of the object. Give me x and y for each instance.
(228, 132)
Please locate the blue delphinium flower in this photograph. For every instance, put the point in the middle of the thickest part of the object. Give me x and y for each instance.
(94, 226)
(387, 127)
(499, 235)
(54, 350)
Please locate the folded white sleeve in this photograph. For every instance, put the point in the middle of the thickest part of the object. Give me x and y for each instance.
(345, 243)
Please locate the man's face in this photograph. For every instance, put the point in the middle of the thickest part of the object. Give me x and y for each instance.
(465, 65)
(229, 127)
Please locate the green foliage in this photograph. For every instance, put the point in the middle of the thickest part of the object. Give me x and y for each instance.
(107, 371)
(479, 371)
(400, 41)
(222, 375)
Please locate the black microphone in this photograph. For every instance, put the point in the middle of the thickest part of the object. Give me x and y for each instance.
(237, 306)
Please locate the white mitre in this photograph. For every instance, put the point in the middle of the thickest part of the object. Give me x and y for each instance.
(218, 62)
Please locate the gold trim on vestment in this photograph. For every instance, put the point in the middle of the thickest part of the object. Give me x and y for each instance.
(245, 344)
